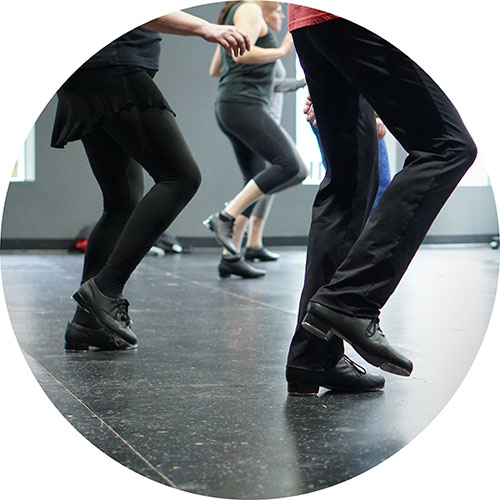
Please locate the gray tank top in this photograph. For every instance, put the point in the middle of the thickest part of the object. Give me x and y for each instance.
(246, 83)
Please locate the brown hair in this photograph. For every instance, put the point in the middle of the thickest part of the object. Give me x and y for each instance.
(267, 6)
(224, 12)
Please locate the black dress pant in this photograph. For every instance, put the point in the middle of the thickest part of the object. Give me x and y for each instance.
(353, 266)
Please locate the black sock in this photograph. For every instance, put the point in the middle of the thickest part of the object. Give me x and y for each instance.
(110, 281)
(223, 215)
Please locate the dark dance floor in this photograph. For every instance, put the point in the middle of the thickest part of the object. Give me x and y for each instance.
(202, 405)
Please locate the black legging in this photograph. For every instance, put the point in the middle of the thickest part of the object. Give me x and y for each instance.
(263, 149)
(129, 225)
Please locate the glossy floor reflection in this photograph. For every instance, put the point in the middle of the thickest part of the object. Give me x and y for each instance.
(202, 404)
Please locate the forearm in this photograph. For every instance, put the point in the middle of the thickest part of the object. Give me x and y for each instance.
(289, 85)
(178, 23)
(214, 69)
(259, 55)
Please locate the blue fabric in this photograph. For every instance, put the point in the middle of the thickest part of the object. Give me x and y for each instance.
(384, 171)
(383, 165)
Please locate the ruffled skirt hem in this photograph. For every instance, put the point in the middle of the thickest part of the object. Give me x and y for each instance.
(91, 97)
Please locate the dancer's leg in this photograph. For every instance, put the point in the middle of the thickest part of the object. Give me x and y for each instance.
(153, 139)
(121, 181)
(439, 148)
(440, 151)
(344, 198)
(253, 126)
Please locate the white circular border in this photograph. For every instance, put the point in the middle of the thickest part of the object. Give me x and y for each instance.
(42, 43)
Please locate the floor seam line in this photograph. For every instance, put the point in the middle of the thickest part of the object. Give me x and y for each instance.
(204, 285)
(168, 481)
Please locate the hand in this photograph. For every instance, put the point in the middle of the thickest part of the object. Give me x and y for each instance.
(287, 44)
(309, 111)
(232, 39)
(381, 129)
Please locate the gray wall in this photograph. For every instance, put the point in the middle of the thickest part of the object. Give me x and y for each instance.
(65, 196)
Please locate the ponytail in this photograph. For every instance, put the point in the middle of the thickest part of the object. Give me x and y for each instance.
(225, 10)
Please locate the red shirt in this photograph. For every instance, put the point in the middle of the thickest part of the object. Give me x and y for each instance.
(299, 17)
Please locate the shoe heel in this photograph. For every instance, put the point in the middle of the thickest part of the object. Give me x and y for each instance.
(302, 389)
(76, 346)
(82, 303)
(224, 273)
(317, 327)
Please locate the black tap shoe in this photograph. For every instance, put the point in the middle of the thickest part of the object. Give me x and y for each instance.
(80, 338)
(363, 334)
(345, 376)
(110, 312)
(238, 267)
(260, 253)
(222, 227)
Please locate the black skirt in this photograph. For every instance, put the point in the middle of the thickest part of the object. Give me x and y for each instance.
(90, 97)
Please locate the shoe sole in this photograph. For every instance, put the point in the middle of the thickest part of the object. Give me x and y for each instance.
(317, 327)
(76, 346)
(225, 275)
(303, 389)
(80, 347)
(253, 259)
(82, 302)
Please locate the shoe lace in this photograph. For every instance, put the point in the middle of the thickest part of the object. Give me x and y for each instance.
(355, 365)
(374, 326)
(122, 311)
